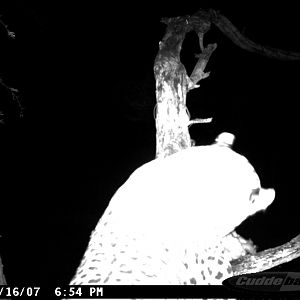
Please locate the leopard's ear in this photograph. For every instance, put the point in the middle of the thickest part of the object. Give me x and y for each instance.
(225, 139)
(261, 198)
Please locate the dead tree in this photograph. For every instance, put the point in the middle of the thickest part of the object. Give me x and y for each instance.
(173, 118)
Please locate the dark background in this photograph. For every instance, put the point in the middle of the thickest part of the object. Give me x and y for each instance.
(82, 70)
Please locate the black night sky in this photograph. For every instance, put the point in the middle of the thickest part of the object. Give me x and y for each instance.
(82, 71)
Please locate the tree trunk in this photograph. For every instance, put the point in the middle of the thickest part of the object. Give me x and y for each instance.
(2, 277)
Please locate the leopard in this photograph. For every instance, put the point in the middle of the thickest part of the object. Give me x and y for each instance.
(173, 221)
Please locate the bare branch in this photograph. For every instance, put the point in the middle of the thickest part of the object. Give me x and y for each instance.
(243, 42)
(15, 97)
(14, 92)
(11, 34)
(198, 72)
(198, 121)
(267, 259)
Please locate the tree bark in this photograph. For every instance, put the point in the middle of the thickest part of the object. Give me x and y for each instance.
(172, 85)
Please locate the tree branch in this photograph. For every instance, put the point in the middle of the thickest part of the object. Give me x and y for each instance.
(13, 92)
(198, 72)
(11, 34)
(243, 42)
(267, 259)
